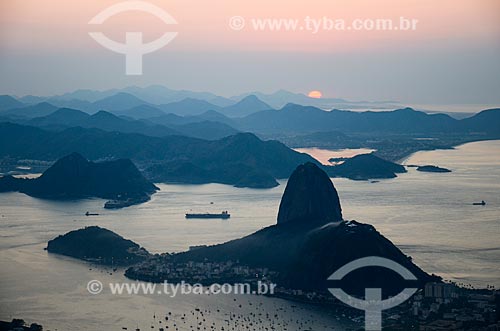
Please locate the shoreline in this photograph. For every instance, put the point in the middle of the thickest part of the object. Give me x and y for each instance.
(405, 158)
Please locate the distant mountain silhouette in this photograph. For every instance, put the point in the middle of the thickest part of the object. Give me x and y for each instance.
(209, 115)
(140, 112)
(487, 121)
(208, 130)
(87, 95)
(157, 94)
(170, 119)
(212, 115)
(306, 246)
(27, 112)
(109, 122)
(299, 113)
(63, 117)
(92, 101)
(119, 101)
(188, 107)
(73, 177)
(280, 98)
(99, 245)
(7, 102)
(32, 99)
(170, 124)
(246, 106)
(103, 120)
(154, 94)
(301, 119)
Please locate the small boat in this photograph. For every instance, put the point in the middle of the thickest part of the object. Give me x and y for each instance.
(91, 214)
(223, 215)
(482, 203)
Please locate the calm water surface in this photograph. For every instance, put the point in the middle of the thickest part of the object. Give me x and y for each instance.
(324, 155)
(428, 215)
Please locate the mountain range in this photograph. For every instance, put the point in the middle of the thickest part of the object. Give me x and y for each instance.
(194, 141)
(159, 95)
(253, 115)
(241, 159)
(62, 118)
(125, 104)
(296, 119)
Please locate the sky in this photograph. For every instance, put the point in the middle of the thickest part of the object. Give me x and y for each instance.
(451, 57)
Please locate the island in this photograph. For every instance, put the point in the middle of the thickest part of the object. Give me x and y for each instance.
(364, 167)
(74, 177)
(98, 245)
(431, 168)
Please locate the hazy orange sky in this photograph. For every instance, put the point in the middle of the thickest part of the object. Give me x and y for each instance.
(45, 49)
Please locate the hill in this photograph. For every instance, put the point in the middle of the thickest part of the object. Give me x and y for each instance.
(67, 118)
(28, 112)
(61, 117)
(164, 125)
(7, 102)
(99, 245)
(118, 102)
(366, 166)
(188, 107)
(208, 130)
(140, 112)
(73, 177)
(296, 119)
(306, 119)
(486, 121)
(246, 106)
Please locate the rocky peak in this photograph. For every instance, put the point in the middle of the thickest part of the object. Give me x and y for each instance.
(309, 197)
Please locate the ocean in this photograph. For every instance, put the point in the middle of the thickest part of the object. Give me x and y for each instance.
(429, 216)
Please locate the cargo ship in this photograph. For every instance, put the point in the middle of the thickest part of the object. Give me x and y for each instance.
(223, 215)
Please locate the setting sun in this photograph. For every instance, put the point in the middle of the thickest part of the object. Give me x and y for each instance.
(315, 94)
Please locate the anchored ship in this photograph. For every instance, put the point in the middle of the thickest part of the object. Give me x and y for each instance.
(223, 215)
